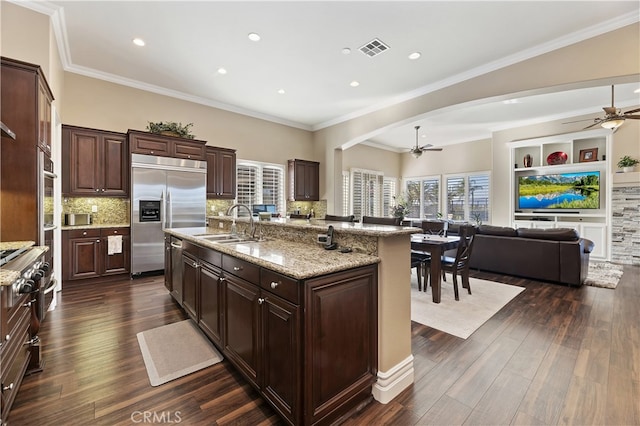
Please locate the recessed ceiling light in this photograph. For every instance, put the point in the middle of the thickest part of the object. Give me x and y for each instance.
(346, 51)
(415, 55)
(354, 84)
(511, 101)
(222, 70)
(636, 91)
(254, 37)
(138, 42)
(281, 91)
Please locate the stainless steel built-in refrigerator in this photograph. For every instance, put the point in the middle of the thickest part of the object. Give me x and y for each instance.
(165, 193)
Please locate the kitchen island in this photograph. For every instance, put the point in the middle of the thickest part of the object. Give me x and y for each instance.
(363, 293)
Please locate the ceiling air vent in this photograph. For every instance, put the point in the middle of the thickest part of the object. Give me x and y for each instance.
(374, 48)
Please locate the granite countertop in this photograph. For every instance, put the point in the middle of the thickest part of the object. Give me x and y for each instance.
(321, 225)
(95, 226)
(294, 259)
(7, 275)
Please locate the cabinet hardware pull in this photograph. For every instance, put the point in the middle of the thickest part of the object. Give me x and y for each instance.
(7, 337)
(195, 264)
(6, 388)
(260, 301)
(274, 285)
(97, 241)
(27, 305)
(84, 233)
(237, 268)
(222, 279)
(97, 189)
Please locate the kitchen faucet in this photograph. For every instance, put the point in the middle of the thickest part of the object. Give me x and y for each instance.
(251, 222)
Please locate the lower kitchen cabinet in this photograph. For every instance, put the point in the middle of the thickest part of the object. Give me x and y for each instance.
(308, 346)
(86, 254)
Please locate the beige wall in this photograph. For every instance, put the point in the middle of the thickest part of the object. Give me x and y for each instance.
(103, 105)
(370, 158)
(460, 158)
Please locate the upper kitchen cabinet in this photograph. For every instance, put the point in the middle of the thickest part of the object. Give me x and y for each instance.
(304, 180)
(165, 146)
(26, 111)
(221, 173)
(95, 162)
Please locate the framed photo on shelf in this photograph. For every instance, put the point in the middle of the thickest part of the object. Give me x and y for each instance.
(587, 155)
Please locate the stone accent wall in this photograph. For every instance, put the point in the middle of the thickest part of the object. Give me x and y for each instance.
(625, 225)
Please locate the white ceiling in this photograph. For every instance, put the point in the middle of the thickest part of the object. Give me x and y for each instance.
(301, 51)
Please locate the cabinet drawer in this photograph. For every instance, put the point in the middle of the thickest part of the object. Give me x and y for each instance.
(191, 248)
(240, 268)
(83, 233)
(281, 285)
(211, 256)
(14, 364)
(105, 232)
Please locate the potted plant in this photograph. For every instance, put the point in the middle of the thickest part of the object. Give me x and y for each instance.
(400, 207)
(627, 163)
(171, 128)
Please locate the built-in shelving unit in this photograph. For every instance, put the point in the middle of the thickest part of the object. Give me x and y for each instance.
(586, 151)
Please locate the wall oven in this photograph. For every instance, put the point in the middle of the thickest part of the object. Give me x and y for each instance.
(47, 227)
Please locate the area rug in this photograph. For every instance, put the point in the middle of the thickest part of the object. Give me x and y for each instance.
(460, 318)
(175, 350)
(603, 274)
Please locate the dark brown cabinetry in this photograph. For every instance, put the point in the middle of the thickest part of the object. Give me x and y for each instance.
(95, 162)
(286, 335)
(221, 173)
(304, 180)
(14, 353)
(165, 146)
(86, 254)
(26, 110)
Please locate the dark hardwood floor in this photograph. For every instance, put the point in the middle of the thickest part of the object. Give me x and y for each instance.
(553, 355)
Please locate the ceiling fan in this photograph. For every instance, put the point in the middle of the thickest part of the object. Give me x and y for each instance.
(613, 116)
(416, 151)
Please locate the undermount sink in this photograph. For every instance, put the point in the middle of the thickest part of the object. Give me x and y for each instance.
(226, 238)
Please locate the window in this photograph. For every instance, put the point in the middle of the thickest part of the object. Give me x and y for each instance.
(388, 192)
(424, 197)
(260, 183)
(366, 193)
(346, 206)
(468, 197)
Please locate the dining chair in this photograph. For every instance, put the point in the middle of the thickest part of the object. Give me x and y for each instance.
(418, 262)
(350, 218)
(395, 221)
(459, 265)
(434, 227)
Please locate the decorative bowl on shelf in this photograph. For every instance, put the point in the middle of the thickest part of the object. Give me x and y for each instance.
(556, 158)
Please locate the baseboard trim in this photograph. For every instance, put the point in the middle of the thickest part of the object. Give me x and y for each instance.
(390, 383)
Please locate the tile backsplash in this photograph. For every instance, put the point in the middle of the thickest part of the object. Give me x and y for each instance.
(109, 210)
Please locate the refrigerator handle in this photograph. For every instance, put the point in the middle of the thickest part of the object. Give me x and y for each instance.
(169, 208)
(163, 209)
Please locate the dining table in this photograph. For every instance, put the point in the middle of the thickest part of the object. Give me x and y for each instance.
(435, 245)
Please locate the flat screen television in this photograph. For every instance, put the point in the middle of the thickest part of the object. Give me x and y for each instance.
(564, 191)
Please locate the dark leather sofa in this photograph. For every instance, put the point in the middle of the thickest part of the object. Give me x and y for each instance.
(557, 254)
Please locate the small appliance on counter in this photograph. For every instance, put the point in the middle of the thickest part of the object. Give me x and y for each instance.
(74, 219)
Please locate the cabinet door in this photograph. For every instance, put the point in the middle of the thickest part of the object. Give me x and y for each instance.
(84, 258)
(241, 326)
(300, 183)
(221, 173)
(597, 233)
(116, 263)
(312, 181)
(304, 180)
(190, 269)
(210, 318)
(115, 178)
(193, 150)
(44, 118)
(81, 153)
(145, 143)
(281, 355)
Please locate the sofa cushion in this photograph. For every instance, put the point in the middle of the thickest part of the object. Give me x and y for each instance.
(554, 234)
(503, 231)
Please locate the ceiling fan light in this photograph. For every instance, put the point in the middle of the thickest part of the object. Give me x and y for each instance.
(612, 124)
(416, 154)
